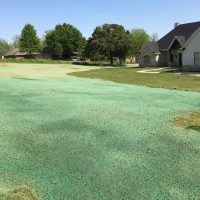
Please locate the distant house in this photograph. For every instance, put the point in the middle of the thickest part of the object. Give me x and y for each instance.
(17, 54)
(179, 48)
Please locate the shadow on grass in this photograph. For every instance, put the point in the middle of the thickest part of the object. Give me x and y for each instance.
(172, 71)
(27, 79)
(98, 64)
(196, 128)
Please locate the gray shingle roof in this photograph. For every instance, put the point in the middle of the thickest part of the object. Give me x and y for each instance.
(182, 31)
(154, 47)
(17, 52)
(12, 52)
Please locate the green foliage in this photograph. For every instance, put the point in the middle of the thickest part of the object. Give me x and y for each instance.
(64, 40)
(92, 50)
(42, 43)
(196, 128)
(83, 45)
(4, 47)
(34, 61)
(139, 37)
(97, 63)
(29, 41)
(109, 40)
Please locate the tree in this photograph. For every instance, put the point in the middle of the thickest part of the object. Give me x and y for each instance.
(42, 43)
(110, 40)
(154, 37)
(4, 47)
(64, 40)
(29, 41)
(83, 46)
(139, 37)
(16, 41)
(91, 50)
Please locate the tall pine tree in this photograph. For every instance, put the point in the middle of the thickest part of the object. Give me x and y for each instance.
(29, 41)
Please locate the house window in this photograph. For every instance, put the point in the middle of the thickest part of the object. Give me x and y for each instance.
(197, 59)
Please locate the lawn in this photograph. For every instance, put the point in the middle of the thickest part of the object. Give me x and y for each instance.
(65, 137)
(130, 75)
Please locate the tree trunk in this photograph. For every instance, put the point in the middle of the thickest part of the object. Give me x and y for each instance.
(111, 59)
(122, 60)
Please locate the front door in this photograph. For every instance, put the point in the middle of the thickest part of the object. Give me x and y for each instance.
(175, 59)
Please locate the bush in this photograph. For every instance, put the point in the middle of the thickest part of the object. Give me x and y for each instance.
(34, 61)
(95, 63)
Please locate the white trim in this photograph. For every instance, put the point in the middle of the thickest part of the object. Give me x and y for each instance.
(175, 38)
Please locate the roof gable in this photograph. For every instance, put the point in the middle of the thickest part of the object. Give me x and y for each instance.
(17, 52)
(151, 46)
(180, 39)
(183, 30)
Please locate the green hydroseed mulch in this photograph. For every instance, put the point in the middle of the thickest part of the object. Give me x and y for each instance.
(71, 138)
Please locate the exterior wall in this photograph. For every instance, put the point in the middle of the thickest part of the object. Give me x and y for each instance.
(164, 59)
(188, 54)
(154, 58)
(157, 60)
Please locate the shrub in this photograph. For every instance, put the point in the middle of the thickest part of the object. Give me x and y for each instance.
(34, 61)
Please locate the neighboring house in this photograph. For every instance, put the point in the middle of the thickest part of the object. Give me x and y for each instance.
(149, 54)
(17, 54)
(179, 48)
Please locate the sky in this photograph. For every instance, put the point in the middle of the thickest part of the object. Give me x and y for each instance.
(155, 16)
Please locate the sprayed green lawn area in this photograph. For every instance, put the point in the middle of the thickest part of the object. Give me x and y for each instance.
(130, 75)
(64, 137)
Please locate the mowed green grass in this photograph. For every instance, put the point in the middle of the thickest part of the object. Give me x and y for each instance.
(130, 75)
(63, 137)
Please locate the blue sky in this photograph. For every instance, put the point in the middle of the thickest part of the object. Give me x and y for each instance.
(153, 15)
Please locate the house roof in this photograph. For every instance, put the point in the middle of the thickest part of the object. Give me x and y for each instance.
(183, 32)
(153, 46)
(17, 52)
(12, 52)
(181, 40)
